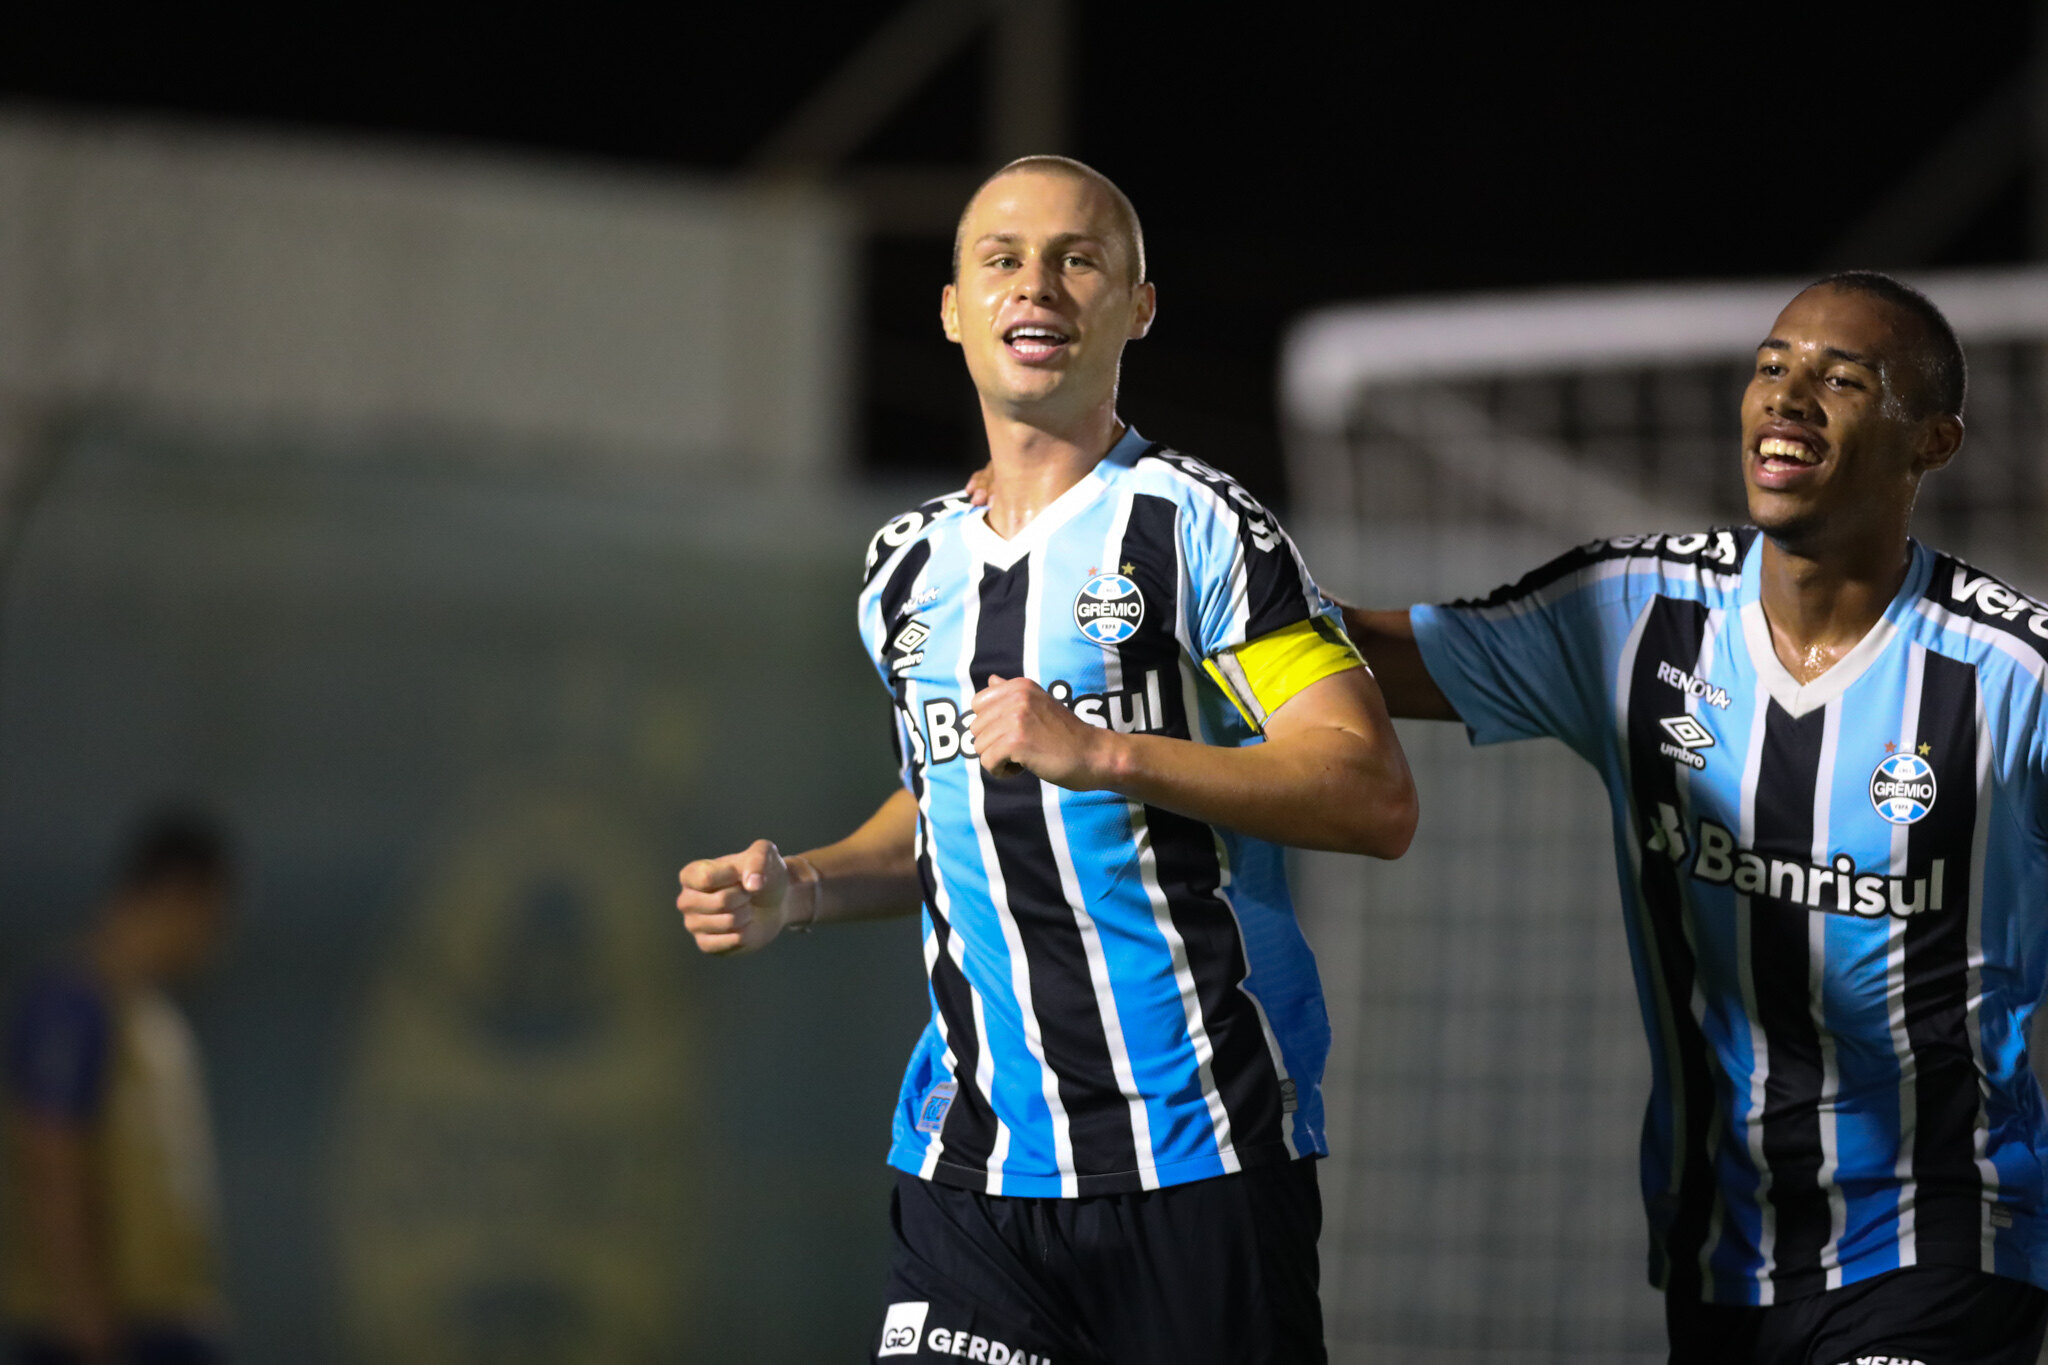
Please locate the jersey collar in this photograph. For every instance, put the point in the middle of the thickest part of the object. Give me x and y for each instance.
(1777, 680)
(992, 549)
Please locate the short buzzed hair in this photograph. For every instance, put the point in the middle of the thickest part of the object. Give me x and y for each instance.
(1944, 374)
(1134, 233)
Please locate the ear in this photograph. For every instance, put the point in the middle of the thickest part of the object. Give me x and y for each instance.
(1940, 439)
(949, 314)
(1147, 308)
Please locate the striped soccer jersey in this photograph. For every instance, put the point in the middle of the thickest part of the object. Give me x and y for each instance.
(1121, 997)
(1836, 898)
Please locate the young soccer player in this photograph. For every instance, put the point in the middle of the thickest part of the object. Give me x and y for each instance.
(1827, 749)
(109, 1256)
(1117, 692)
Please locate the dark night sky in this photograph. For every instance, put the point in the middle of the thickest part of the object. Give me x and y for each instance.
(1282, 155)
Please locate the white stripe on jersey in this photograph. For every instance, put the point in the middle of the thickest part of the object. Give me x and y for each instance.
(1759, 1045)
(1816, 998)
(1233, 516)
(985, 1062)
(935, 1146)
(1717, 1214)
(1973, 1007)
(1162, 913)
(1287, 1121)
(1070, 884)
(1551, 593)
(2018, 651)
(1646, 930)
(999, 899)
(1190, 1002)
(1895, 987)
(2037, 668)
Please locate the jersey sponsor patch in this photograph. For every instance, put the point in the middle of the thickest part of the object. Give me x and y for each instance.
(972, 1346)
(1109, 609)
(1902, 788)
(931, 1115)
(902, 1328)
(1695, 687)
(1839, 886)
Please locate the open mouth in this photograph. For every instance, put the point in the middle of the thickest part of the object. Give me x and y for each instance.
(1030, 341)
(1777, 452)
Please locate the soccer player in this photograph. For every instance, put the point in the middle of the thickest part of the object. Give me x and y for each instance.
(109, 1255)
(1827, 751)
(1117, 692)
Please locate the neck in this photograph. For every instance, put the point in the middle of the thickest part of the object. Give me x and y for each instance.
(1821, 602)
(118, 957)
(1032, 462)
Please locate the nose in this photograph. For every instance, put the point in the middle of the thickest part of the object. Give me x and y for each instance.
(1790, 396)
(1035, 280)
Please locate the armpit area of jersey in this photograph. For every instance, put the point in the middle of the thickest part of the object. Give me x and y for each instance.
(1262, 675)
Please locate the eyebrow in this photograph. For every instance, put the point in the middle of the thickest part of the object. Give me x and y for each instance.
(1832, 352)
(1059, 240)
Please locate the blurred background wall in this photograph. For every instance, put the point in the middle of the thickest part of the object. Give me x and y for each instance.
(448, 453)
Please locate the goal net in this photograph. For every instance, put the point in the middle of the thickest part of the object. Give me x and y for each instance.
(1489, 1071)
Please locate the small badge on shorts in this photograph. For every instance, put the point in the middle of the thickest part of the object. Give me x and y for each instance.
(902, 1328)
(931, 1115)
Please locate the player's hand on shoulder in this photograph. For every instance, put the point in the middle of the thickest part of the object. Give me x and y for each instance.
(735, 904)
(1018, 727)
(980, 484)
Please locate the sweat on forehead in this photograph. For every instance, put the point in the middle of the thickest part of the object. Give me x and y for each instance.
(1127, 217)
(1928, 343)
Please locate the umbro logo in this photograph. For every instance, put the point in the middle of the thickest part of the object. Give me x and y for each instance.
(907, 644)
(1688, 736)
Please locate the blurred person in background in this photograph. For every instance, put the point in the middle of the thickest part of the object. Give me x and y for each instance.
(109, 1249)
(1827, 750)
(1117, 693)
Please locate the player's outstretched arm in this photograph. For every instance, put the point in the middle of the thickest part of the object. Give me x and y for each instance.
(1330, 775)
(1387, 640)
(740, 902)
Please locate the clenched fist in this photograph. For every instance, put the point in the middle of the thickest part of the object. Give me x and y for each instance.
(1018, 727)
(738, 903)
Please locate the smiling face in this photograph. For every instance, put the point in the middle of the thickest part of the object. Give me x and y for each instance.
(1835, 435)
(1045, 298)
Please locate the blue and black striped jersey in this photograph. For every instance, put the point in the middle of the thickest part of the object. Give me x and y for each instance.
(1836, 897)
(1121, 997)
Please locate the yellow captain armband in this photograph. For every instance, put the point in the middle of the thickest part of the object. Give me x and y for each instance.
(1260, 676)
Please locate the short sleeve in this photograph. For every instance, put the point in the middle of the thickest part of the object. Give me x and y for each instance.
(1246, 579)
(1525, 662)
(58, 1049)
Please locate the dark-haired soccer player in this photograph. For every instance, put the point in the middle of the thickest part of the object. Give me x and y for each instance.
(1827, 749)
(1117, 693)
(109, 1254)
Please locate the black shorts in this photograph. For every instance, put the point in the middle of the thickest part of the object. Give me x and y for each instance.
(1220, 1270)
(1922, 1315)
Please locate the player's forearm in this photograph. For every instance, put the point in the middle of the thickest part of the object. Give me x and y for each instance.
(870, 874)
(1387, 640)
(1327, 788)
